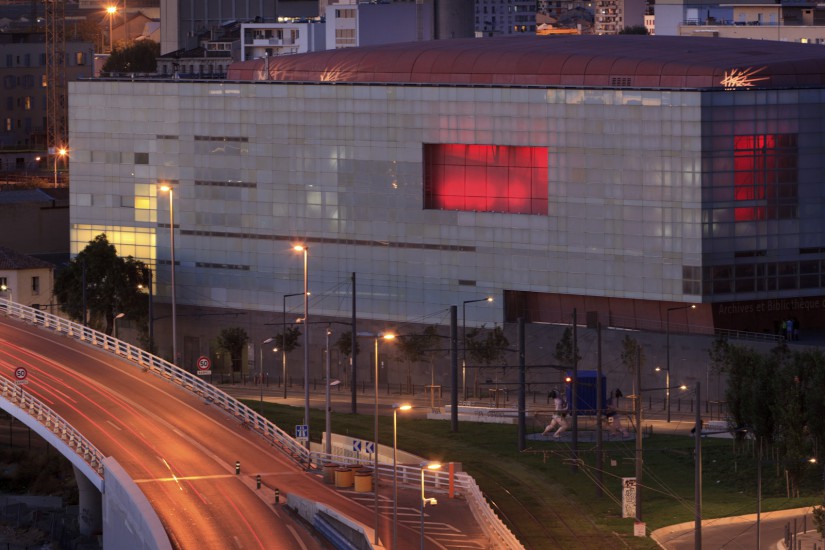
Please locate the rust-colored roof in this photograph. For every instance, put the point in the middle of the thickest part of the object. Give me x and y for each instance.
(611, 61)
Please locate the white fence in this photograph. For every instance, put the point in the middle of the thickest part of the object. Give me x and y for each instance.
(434, 480)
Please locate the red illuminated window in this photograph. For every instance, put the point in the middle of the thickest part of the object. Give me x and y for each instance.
(485, 178)
(765, 176)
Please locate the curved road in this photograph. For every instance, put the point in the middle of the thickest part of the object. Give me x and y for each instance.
(180, 450)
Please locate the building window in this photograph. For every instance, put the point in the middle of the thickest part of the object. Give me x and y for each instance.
(486, 178)
(79, 58)
(141, 158)
(765, 176)
(35, 286)
(27, 103)
(8, 125)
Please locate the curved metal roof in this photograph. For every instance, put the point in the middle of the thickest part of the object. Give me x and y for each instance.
(611, 61)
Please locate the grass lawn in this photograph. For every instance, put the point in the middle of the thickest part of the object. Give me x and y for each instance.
(548, 504)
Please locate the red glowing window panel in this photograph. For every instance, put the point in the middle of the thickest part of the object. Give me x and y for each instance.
(765, 175)
(486, 178)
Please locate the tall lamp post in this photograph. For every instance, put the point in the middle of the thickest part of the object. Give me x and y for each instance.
(168, 189)
(148, 286)
(261, 406)
(667, 353)
(327, 417)
(464, 341)
(283, 336)
(111, 10)
(395, 408)
(424, 500)
(377, 338)
(305, 250)
(60, 152)
(118, 316)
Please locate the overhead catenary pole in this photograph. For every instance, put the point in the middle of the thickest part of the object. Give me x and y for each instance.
(353, 354)
(574, 406)
(453, 368)
(638, 409)
(522, 368)
(599, 409)
(697, 491)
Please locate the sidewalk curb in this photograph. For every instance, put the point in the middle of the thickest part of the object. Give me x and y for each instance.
(664, 534)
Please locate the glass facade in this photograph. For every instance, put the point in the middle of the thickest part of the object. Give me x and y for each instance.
(635, 196)
(762, 196)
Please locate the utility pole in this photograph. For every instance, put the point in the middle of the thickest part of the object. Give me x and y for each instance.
(522, 368)
(599, 409)
(574, 407)
(638, 407)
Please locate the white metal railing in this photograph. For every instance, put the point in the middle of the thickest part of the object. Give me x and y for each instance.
(249, 418)
(35, 408)
(434, 480)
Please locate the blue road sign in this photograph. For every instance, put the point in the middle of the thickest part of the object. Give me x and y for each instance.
(301, 431)
(369, 448)
(356, 445)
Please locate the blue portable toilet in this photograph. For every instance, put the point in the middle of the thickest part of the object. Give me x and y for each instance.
(586, 392)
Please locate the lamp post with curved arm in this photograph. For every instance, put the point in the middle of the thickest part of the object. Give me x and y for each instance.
(464, 341)
(168, 189)
(305, 251)
(667, 353)
(424, 500)
(395, 408)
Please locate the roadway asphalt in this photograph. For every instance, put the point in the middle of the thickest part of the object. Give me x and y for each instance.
(181, 452)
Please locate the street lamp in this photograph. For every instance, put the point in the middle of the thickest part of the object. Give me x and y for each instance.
(61, 152)
(667, 351)
(395, 408)
(261, 406)
(424, 500)
(118, 316)
(151, 308)
(305, 250)
(376, 337)
(464, 341)
(168, 189)
(111, 10)
(328, 420)
(4, 288)
(283, 336)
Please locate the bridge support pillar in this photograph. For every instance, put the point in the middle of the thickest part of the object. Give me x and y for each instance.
(89, 515)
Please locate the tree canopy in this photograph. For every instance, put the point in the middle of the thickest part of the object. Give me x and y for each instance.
(135, 57)
(777, 398)
(111, 286)
(232, 341)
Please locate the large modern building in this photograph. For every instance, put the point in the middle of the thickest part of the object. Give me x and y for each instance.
(624, 175)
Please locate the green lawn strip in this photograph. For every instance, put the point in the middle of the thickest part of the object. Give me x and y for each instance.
(543, 501)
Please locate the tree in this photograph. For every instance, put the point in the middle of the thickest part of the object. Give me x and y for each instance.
(288, 340)
(564, 349)
(232, 341)
(634, 29)
(416, 348)
(137, 57)
(344, 344)
(111, 286)
(487, 350)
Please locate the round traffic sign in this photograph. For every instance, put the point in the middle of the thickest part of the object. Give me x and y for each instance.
(203, 363)
(20, 373)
